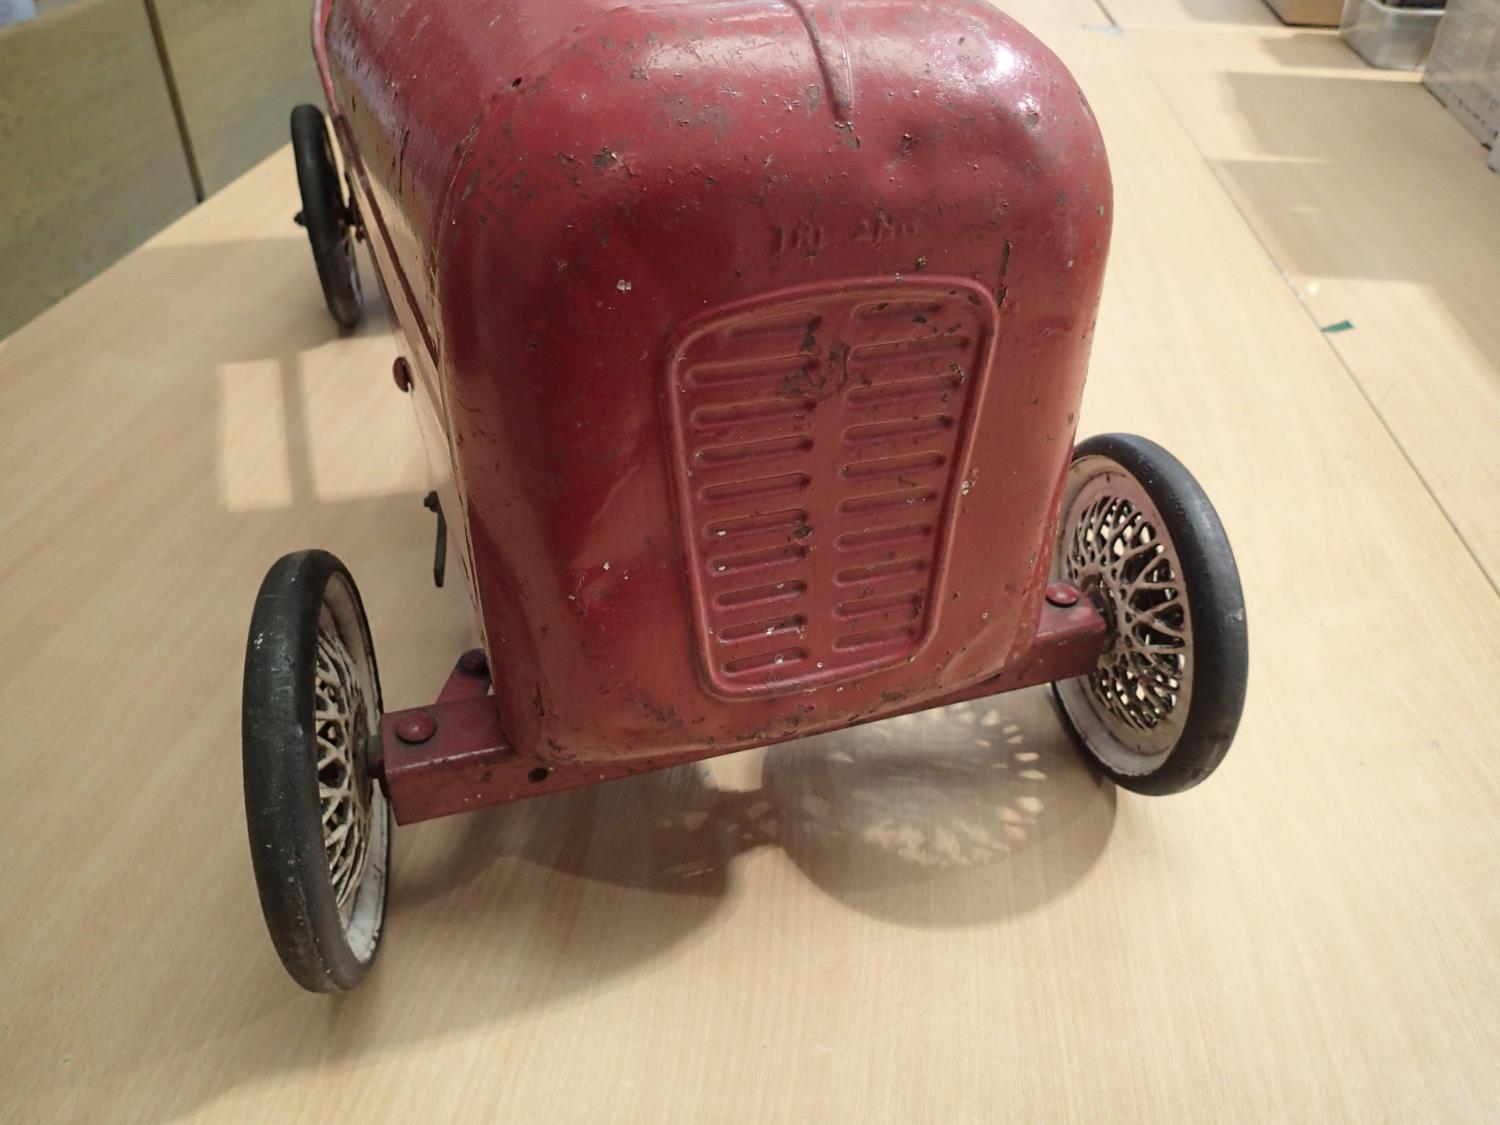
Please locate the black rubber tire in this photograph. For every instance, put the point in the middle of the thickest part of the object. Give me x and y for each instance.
(282, 802)
(1216, 605)
(326, 216)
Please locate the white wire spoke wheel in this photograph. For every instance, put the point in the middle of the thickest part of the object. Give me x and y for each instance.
(319, 824)
(1139, 538)
(346, 794)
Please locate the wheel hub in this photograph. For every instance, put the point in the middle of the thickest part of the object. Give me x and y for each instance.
(1114, 550)
(343, 784)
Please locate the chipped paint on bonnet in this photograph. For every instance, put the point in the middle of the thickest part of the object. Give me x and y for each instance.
(585, 180)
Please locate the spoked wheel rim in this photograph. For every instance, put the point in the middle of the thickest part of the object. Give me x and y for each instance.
(1115, 547)
(354, 819)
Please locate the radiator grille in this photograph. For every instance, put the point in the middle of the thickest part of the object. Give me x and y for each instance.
(819, 440)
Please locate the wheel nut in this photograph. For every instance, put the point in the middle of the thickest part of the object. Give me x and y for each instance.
(401, 371)
(1062, 594)
(416, 727)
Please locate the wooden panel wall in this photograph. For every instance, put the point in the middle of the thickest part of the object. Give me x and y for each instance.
(92, 160)
(240, 67)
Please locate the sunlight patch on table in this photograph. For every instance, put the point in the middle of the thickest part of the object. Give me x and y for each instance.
(364, 441)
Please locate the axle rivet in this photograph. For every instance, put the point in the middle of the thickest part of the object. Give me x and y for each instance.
(1062, 594)
(401, 370)
(473, 663)
(419, 726)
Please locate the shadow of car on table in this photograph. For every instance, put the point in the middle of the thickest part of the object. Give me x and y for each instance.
(958, 816)
(964, 816)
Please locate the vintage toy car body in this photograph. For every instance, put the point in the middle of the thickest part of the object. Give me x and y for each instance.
(747, 339)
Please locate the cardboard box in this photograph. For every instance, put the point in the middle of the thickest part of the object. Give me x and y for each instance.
(1308, 13)
(1463, 68)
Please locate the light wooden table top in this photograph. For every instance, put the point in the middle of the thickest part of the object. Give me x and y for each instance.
(940, 917)
(1381, 212)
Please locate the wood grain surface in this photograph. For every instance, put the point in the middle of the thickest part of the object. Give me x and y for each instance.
(1383, 216)
(937, 918)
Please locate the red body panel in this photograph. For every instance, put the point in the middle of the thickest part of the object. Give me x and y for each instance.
(754, 333)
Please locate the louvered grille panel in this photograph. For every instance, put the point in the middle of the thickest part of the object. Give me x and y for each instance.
(819, 439)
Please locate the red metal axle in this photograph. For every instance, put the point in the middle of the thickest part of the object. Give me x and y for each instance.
(465, 761)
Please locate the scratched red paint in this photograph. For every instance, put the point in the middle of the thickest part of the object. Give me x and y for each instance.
(637, 251)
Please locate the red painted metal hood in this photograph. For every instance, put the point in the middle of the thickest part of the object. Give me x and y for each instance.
(593, 209)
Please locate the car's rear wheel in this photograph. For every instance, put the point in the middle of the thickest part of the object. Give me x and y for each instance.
(326, 216)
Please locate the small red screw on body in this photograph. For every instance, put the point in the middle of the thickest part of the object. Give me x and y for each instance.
(1062, 594)
(419, 726)
(401, 370)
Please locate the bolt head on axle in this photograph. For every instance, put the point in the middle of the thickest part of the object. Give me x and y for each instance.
(417, 727)
(1062, 594)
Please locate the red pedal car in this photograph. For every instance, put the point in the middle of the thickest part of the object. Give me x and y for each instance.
(747, 339)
